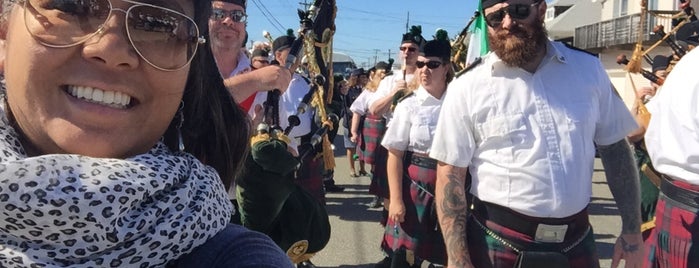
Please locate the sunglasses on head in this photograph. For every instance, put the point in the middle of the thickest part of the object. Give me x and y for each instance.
(409, 49)
(235, 15)
(516, 11)
(164, 38)
(430, 64)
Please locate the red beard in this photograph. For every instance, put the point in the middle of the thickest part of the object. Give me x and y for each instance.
(520, 44)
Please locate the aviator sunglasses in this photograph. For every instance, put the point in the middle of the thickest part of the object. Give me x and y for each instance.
(164, 38)
(235, 15)
(516, 11)
(430, 64)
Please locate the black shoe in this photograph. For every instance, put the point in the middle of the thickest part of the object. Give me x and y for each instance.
(375, 202)
(305, 264)
(332, 188)
(385, 263)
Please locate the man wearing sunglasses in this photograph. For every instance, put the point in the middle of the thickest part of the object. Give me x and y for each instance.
(227, 25)
(260, 58)
(379, 111)
(523, 123)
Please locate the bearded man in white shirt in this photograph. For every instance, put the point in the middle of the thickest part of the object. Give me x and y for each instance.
(524, 121)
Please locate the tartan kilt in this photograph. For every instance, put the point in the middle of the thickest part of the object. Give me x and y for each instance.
(310, 177)
(419, 231)
(379, 177)
(671, 243)
(372, 132)
(488, 252)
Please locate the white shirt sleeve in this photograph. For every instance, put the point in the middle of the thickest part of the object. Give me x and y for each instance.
(360, 105)
(454, 141)
(615, 120)
(398, 135)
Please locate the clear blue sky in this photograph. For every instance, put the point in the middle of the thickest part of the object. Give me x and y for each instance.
(365, 28)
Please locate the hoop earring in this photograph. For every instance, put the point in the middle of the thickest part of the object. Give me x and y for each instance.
(180, 114)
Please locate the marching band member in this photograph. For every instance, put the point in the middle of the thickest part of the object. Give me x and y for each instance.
(412, 220)
(523, 122)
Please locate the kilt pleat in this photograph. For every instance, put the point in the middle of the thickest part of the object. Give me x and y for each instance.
(671, 243)
(372, 132)
(418, 232)
(310, 177)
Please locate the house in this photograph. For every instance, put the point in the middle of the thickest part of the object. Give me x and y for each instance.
(610, 28)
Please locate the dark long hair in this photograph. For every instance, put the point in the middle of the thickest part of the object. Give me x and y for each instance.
(215, 129)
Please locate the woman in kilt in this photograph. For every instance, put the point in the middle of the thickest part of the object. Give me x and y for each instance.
(368, 129)
(411, 231)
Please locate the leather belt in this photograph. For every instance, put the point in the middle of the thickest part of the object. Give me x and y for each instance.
(524, 224)
(679, 194)
(424, 162)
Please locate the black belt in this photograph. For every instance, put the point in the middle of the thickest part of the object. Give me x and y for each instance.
(526, 224)
(679, 194)
(421, 161)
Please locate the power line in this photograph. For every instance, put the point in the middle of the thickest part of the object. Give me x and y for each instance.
(265, 12)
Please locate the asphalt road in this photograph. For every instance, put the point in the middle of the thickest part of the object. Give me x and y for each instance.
(356, 233)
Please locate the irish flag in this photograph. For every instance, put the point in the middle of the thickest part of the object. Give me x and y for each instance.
(478, 44)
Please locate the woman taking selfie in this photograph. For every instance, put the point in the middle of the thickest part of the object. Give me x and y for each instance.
(109, 108)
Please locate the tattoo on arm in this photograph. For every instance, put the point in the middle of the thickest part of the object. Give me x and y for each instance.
(452, 211)
(622, 178)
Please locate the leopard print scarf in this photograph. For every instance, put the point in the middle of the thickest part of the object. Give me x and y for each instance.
(77, 211)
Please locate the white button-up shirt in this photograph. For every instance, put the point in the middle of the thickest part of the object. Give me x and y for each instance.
(361, 104)
(386, 88)
(672, 138)
(528, 138)
(414, 123)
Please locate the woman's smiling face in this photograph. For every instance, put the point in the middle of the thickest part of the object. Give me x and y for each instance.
(98, 98)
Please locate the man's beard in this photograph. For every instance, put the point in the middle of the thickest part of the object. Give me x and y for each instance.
(520, 44)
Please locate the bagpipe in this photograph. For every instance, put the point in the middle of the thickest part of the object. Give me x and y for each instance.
(680, 19)
(459, 46)
(270, 200)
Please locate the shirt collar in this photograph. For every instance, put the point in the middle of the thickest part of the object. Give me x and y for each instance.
(424, 97)
(243, 64)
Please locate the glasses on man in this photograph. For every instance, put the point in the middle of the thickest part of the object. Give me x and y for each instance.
(164, 38)
(235, 15)
(430, 64)
(409, 49)
(516, 11)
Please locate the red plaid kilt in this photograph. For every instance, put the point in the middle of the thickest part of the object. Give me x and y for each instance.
(372, 131)
(419, 231)
(487, 252)
(671, 243)
(310, 177)
(379, 177)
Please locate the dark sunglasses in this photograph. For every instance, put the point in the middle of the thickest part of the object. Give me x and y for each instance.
(164, 38)
(235, 15)
(262, 61)
(516, 11)
(410, 49)
(429, 64)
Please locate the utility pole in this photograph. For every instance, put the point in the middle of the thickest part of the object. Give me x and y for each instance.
(376, 55)
(305, 4)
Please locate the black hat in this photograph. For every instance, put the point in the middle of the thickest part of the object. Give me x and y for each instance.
(414, 36)
(260, 53)
(688, 33)
(358, 72)
(661, 62)
(439, 47)
(241, 3)
(283, 42)
(382, 65)
(490, 3)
